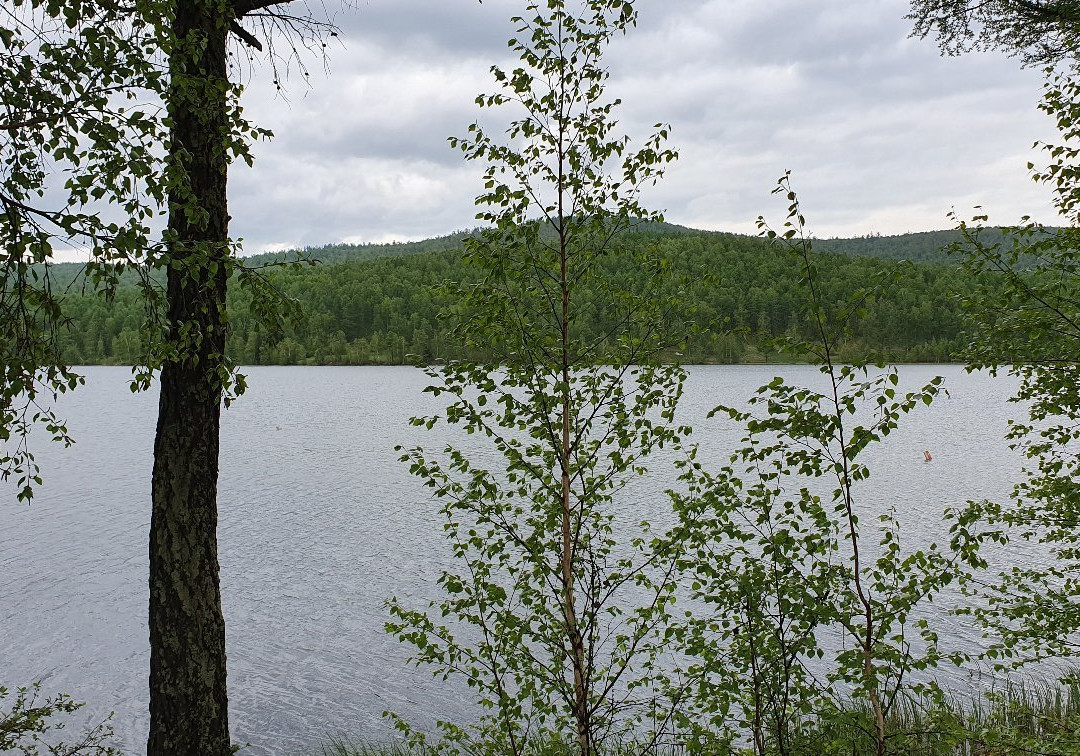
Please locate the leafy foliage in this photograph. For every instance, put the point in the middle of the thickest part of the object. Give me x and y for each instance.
(85, 165)
(1027, 321)
(782, 562)
(557, 615)
(27, 722)
(1039, 32)
(78, 114)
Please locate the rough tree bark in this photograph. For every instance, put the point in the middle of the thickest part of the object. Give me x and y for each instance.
(188, 698)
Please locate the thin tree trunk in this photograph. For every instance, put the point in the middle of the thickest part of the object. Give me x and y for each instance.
(577, 645)
(880, 742)
(188, 698)
(757, 727)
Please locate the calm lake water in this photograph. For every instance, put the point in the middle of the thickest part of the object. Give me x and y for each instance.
(320, 524)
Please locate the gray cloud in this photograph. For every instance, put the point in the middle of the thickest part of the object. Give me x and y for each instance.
(437, 28)
(883, 135)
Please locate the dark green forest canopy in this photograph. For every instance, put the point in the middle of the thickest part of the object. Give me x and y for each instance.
(381, 304)
(68, 275)
(922, 246)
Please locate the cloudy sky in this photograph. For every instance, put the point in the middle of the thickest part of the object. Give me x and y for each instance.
(882, 134)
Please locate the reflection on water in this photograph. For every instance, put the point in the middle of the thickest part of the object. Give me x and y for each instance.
(320, 524)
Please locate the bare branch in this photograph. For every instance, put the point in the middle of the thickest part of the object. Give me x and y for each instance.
(245, 36)
(243, 7)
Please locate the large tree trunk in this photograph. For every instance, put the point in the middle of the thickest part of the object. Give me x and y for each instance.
(188, 699)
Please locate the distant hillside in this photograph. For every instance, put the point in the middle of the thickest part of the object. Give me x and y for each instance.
(68, 276)
(920, 246)
(386, 310)
(923, 246)
(330, 254)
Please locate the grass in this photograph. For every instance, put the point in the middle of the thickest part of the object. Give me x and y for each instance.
(339, 747)
(1030, 718)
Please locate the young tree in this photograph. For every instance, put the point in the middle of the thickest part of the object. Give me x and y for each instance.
(784, 562)
(556, 615)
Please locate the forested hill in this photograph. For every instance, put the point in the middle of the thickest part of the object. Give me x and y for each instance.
(330, 254)
(386, 310)
(68, 276)
(923, 246)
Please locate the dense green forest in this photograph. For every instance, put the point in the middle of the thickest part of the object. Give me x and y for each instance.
(921, 246)
(381, 304)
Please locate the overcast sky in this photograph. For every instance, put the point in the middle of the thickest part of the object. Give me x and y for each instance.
(882, 134)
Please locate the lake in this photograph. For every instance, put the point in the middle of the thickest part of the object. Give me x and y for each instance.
(319, 524)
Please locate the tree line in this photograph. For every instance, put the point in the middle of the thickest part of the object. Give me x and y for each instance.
(389, 310)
